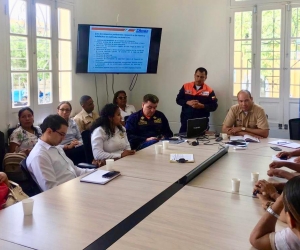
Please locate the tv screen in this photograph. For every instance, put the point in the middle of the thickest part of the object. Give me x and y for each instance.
(107, 49)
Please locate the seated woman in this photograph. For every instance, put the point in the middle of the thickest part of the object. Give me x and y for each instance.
(26, 135)
(120, 99)
(109, 139)
(72, 142)
(264, 236)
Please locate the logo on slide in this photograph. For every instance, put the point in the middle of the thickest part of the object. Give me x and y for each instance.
(141, 31)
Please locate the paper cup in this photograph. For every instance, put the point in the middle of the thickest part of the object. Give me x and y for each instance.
(254, 176)
(224, 136)
(165, 144)
(158, 149)
(27, 206)
(235, 182)
(109, 164)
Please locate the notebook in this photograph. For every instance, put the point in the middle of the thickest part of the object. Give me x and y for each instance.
(96, 177)
(176, 157)
(195, 127)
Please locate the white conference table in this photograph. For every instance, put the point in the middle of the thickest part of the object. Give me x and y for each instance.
(145, 164)
(240, 164)
(6, 245)
(73, 215)
(197, 218)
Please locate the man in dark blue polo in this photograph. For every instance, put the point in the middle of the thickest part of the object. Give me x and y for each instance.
(148, 125)
(196, 98)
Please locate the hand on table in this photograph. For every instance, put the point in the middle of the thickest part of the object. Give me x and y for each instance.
(127, 152)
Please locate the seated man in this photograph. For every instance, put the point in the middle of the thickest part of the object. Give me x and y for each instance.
(86, 116)
(47, 163)
(246, 118)
(148, 125)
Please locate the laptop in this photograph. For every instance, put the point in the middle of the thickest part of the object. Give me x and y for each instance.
(195, 127)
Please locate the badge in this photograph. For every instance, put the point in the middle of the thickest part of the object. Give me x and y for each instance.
(189, 92)
(158, 120)
(205, 93)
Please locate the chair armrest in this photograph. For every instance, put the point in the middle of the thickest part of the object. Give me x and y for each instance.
(86, 165)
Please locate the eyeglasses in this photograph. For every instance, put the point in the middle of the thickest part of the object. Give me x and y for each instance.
(65, 110)
(61, 134)
(122, 97)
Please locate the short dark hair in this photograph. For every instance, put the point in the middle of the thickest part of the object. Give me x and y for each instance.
(64, 102)
(151, 98)
(201, 70)
(244, 91)
(24, 109)
(108, 111)
(291, 198)
(84, 99)
(117, 94)
(38, 134)
(54, 122)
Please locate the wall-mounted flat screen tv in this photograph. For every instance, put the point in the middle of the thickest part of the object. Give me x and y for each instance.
(103, 49)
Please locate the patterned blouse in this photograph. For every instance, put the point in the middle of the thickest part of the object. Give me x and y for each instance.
(25, 139)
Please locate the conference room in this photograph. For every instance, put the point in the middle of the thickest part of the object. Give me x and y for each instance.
(155, 203)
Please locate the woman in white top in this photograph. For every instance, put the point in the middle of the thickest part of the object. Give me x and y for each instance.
(109, 139)
(72, 142)
(120, 99)
(264, 236)
(26, 135)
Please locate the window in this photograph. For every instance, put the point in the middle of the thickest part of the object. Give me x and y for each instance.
(40, 33)
(265, 56)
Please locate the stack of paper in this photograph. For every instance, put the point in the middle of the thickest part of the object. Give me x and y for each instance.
(285, 144)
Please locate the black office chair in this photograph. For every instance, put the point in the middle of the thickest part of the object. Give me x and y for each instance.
(30, 187)
(294, 125)
(86, 138)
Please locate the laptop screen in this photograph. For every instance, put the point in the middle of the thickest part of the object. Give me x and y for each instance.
(196, 127)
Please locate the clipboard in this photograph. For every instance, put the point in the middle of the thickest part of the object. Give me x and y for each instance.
(96, 177)
(188, 157)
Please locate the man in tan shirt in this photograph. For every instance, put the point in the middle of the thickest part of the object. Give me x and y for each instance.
(87, 116)
(246, 118)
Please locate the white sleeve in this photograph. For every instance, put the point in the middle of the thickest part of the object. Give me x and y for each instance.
(81, 171)
(98, 138)
(126, 140)
(43, 172)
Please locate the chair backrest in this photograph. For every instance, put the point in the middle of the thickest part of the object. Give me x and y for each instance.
(33, 188)
(294, 125)
(86, 138)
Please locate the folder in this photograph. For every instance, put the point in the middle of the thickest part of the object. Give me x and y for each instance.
(96, 177)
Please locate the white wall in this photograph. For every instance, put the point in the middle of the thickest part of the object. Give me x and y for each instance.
(195, 33)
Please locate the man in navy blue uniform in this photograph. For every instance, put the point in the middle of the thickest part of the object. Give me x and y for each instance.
(196, 98)
(148, 125)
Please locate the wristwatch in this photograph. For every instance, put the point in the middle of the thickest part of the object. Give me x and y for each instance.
(243, 128)
(270, 211)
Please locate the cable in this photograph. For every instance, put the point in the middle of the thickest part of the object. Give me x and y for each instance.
(113, 82)
(106, 88)
(135, 77)
(96, 92)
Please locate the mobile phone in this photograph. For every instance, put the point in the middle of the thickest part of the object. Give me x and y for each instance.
(110, 174)
(276, 148)
(283, 158)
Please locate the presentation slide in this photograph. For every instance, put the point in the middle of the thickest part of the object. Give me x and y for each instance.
(118, 49)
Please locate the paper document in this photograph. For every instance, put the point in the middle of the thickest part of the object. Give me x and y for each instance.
(285, 144)
(275, 158)
(96, 177)
(176, 157)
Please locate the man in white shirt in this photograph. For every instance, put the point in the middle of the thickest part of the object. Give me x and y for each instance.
(47, 163)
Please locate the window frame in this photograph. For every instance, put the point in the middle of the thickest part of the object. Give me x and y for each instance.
(32, 57)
